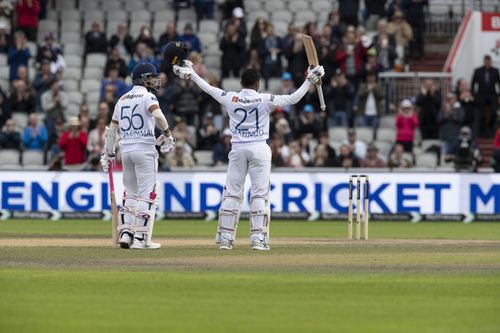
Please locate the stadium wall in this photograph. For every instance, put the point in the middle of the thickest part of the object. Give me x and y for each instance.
(478, 35)
(79, 194)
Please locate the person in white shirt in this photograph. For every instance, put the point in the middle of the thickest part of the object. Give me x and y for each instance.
(248, 112)
(136, 114)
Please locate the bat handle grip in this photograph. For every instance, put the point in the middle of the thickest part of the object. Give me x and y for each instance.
(322, 105)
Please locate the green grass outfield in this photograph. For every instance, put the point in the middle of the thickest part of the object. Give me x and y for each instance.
(428, 277)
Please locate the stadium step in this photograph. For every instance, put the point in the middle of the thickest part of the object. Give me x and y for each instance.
(487, 148)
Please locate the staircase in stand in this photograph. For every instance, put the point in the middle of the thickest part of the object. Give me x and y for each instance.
(487, 148)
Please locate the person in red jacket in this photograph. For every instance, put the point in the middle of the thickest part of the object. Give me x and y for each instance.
(73, 143)
(27, 17)
(406, 123)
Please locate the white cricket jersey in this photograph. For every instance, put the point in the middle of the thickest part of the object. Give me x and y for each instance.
(248, 110)
(135, 123)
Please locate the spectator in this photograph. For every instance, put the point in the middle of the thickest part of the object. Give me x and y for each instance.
(4, 112)
(198, 65)
(349, 12)
(164, 96)
(324, 156)
(222, 148)
(297, 60)
(385, 46)
(464, 152)
(484, 85)
(239, 21)
(179, 157)
(35, 135)
(109, 99)
(54, 104)
(429, 103)
(95, 40)
(298, 157)
(21, 99)
(102, 111)
(169, 35)
(120, 87)
(253, 60)
(73, 143)
(5, 38)
(204, 10)
(185, 133)
(185, 95)
(337, 30)
(192, 41)
(270, 52)
(276, 157)
(495, 159)
(414, 12)
(142, 54)
(350, 56)
(258, 32)
(358, 147)
(450, 121)
(208, 136)
(41, 82)
(402, 32)
(283, 129)
(372, 159)
(398, 158)
(232, 46)
(10, 138)
(6, 10)
(371, 65)
(19, 54)
(52, 145)
(146, 37)
(339, 96)
(122, 41)
(464, 96)
(95, 143)
(308, 124)
(52, 52)
(114, 61)
(375, 10)
(347, 158)
(208, 105)
(370, 96)
(406, 123)
(27, 17)
(22, 75)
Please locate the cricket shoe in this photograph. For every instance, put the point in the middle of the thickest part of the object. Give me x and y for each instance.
(258, 244)
(125, 240)
(142, 245)
(225, 242)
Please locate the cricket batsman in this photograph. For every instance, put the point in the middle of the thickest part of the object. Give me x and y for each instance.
(135, 115)
(248, 112)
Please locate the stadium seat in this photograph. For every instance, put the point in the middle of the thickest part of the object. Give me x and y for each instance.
(72, 73)
(53, 15)
(282, 16)
(111, 27)
(71, 85)
(212, 49)
(117, 15)
(204, 157)
(73, 48)
(273, 85)
(281, 28)
(427, 143)
(88, 85)
(426, 160)
(73, 110)
(320, 6)
(209, 26)
(45, 26)
(231, 84)
(96, 60)
(212, 61)
(75, 97)
(253, 5)
(141, 15)
(94, 15)
(134, 5)
(93, 97)
(87, 25)
(386, 134)
(135, 27)
(109, 6)
(70, 26)
(337, 133)
(3, 59)
(65, 4)
(157, 6)
(364, 134)
(305, 16)
(164, 16)
(4, 84)
(20, 119)
(9, 157)
(187, 15)
(207, 38)
(71, 15)
(274, 5)
(88, 5)
(70, 37)
(4, 73)
(253, 16)
(73, 61)
(92, 73)
(32, 157)
(384, 147)
(299, 6)
(387, 121)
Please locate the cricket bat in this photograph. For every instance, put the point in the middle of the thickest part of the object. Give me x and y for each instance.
(114, 208)
(312, 59)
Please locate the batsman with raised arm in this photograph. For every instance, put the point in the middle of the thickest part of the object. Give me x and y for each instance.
(248, 112)
(136, 113)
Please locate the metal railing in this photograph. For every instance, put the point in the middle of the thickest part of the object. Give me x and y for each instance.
(407, 85)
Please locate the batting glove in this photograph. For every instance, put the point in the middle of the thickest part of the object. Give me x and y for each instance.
(315, 74)
(166, 144)
(185, 71)
(106, 160)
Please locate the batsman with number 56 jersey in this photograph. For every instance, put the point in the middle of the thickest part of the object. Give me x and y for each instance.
(248, 112)
(135, 116)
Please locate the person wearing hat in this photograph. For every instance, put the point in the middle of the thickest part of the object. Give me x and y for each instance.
(450, 120)
(402, 32)
(190, 39)
(52, 52)
(406, 124)
(73, 143)
(136, 115)
(223, 148)
(248, 112)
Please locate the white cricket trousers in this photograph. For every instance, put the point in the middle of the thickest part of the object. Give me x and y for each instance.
(139, 172)
(254, 159)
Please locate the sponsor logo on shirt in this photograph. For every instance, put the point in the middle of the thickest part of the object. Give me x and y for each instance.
(154, 98)
(247, 101)
(223, 93)
(234, 99)
(131, 96)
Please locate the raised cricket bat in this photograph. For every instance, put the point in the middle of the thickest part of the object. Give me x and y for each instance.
(114, 208)
(312, 59)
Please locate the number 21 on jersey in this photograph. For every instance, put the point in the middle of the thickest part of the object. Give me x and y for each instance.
(245, 114)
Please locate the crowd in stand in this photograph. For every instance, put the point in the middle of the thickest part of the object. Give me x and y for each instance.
(353, 52)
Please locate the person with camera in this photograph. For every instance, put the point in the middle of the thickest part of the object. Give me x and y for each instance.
(464, 152)
(450, 120)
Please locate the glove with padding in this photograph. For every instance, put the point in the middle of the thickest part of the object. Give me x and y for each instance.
(185, 71)
(166, 144)
(106, 161)
(315, 74)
